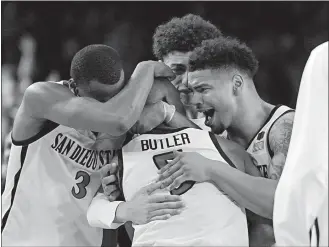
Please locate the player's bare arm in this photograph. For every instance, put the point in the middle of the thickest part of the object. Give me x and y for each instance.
(248, 190)
(143, 208)
(49, 101)
(279, 140)
(159, 109)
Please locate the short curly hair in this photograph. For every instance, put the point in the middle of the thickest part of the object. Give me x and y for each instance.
(96, 62)
(224, 52)
(182, 34)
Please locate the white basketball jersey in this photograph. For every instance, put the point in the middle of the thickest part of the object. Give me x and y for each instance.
(210, 217)
(51, 180)
(301, 198)
(259, 146)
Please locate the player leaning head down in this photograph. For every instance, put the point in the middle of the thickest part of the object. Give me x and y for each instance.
(175, 40)
(97, 72)
(221, 75)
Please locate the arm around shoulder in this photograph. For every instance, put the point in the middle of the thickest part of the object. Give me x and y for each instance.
(52, 101)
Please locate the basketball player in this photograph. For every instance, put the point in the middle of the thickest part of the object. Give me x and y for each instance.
(173, 42)
(301, 198)
(221, 83)
(196, 225)
(53, 170)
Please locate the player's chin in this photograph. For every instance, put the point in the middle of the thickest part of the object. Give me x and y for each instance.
(217, 129)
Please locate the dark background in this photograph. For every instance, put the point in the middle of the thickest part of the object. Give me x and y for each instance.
(40, 38)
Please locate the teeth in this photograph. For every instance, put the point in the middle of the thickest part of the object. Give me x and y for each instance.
(208, 117)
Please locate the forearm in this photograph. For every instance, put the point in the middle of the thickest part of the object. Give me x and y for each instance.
(180, 121)
(253, 193)
(129, 103)
(102, 213)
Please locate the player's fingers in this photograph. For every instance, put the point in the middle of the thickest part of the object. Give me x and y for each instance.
(168, 205)
(108, 189)
(149, 189)
(162, 217)
(109, 180)
(165, 72)
(168, 181)
(105, 170)
(164, 198)
(171, 170)
(114, 195)
(114, 167)
(177, 153)
(161, 212)
(178, 181)
(170, 163)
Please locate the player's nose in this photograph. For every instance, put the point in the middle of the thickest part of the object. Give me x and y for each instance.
(196, 99)
(184, 79)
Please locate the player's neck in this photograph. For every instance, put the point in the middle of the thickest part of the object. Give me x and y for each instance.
(249, 120)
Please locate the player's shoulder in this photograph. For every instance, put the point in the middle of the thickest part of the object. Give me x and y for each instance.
(321, 50)
(283, 124)
(38, 89)
(42, 94)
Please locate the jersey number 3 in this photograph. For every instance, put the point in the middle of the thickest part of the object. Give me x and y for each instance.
(160, 160)
(82, 191)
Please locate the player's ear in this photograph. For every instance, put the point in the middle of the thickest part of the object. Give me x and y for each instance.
(237, 84)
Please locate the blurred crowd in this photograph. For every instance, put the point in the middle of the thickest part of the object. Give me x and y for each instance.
(39, 40)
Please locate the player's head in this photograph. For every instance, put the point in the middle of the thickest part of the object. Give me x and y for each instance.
(220, 75)
(175, 40)
(97, 72)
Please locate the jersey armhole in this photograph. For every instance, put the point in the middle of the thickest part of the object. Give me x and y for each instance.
(47, 128)
(220, 150)
(269, 131)
(120, 175)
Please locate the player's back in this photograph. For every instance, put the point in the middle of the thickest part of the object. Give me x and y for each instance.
(210, 217)
(51, 180)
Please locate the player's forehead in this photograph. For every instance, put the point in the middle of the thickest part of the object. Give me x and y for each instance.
(201, 77)
(176, 58)
(104, 92)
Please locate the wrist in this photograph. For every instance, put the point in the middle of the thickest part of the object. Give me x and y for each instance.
(213, 170)
(122, 213)
(169, 111)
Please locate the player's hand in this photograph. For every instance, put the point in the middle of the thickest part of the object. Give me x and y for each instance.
(185, 166)
(159, 91)
(145, 207)
(160, 69)
(152, 116)
(109, 181)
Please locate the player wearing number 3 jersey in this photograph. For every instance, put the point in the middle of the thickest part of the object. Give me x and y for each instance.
(59, 146)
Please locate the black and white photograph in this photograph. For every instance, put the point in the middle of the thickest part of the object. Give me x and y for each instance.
(164, 123)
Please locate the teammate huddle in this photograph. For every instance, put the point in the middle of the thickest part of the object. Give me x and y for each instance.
(176, 183)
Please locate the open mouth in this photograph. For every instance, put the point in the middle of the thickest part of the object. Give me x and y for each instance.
(209, 115)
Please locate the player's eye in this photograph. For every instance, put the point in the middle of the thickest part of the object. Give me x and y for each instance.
(179, 70)
(202, 90)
